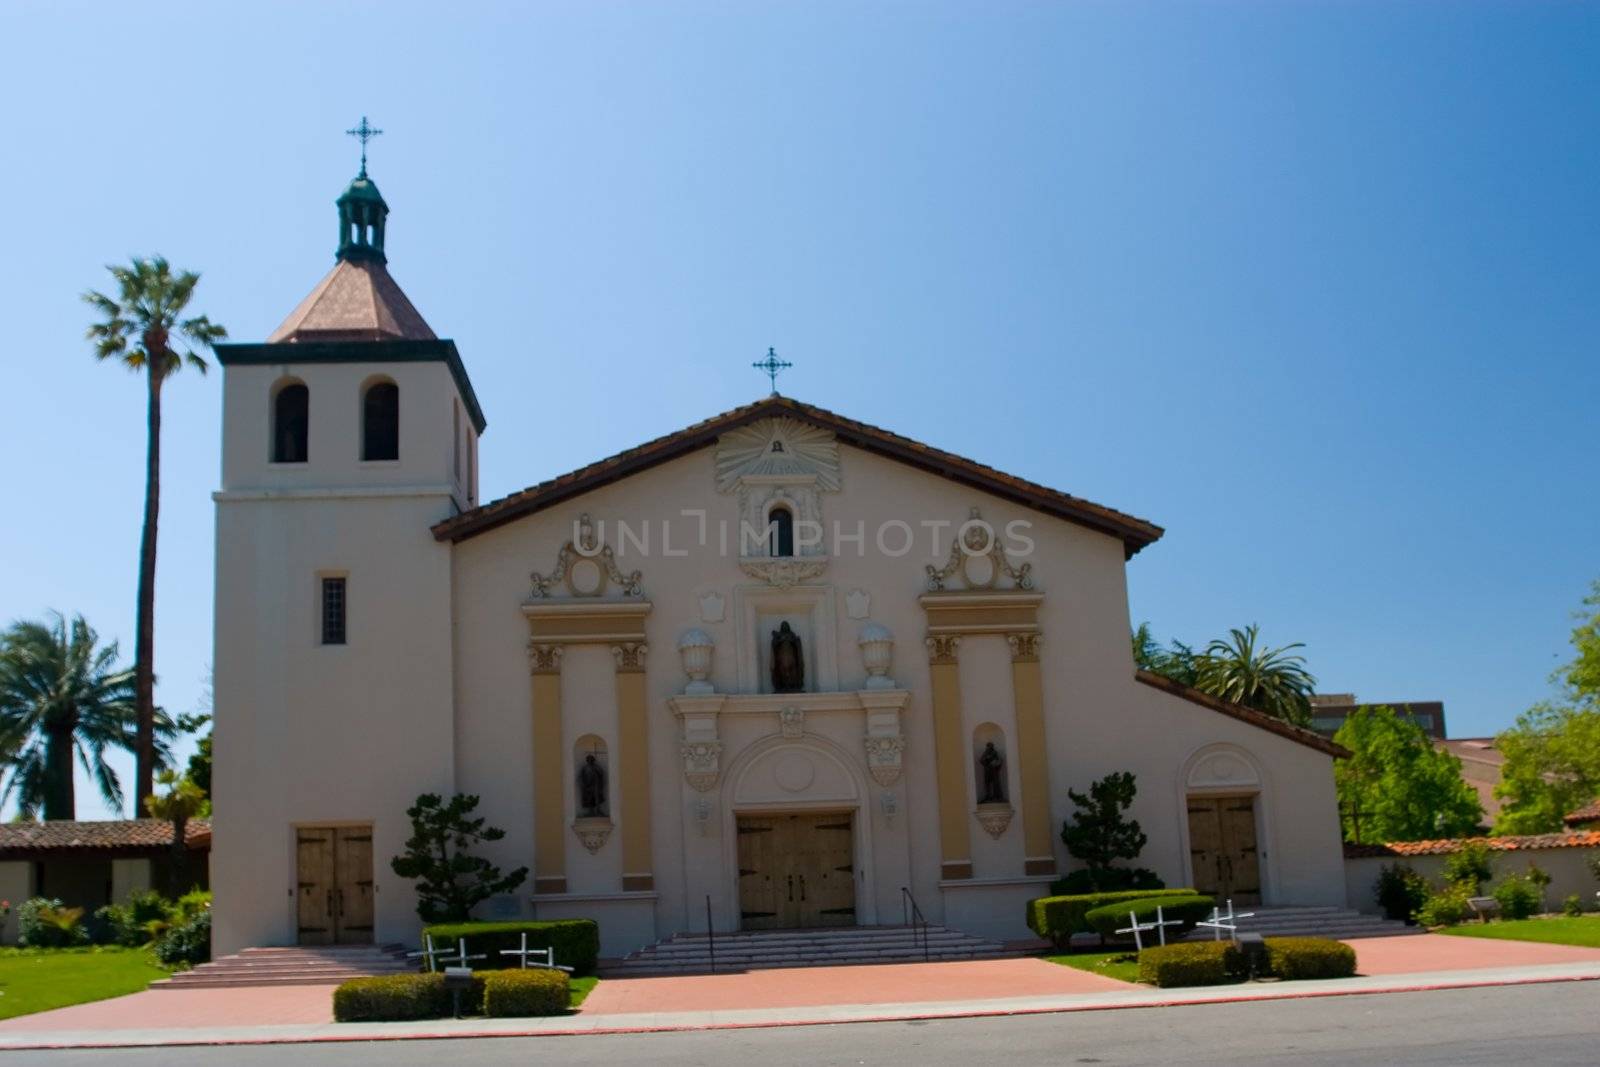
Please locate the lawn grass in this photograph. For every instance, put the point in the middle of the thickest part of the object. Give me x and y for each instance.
(1583, 930)
(38, 979)
(1119, 963)
(579, 988)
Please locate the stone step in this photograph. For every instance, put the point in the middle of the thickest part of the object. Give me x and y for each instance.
(834, 946)
(293, 965)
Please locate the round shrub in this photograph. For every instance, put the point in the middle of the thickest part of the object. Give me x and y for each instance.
(1444, 907)
(1401, 892)
(401, 997)
(1192, 963)
(536, 991)
(1572, 906)
(1109, 918)
(1293, 958)
(44, 923)
(1518, 897)
(188, 941)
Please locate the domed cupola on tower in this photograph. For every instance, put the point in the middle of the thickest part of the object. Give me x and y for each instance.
(361, 216)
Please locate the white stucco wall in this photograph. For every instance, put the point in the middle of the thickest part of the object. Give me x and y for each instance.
(1568, 869)
(129, 876)
(16, 885)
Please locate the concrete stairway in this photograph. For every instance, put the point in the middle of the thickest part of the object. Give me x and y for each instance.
(759, 950)
(304, 965)
(1339, 923)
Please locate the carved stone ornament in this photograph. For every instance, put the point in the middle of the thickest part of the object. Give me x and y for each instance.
(694, 649)
(712, 607)
(592, 832)
(857, 603)
(978, 560)
(877, 654)
(942, 647)
(630, 655)
(544, 659)
(778, 448)
(884, 758)
(700, 760)
(585, 568)
(783, 571)
(1024, 646)
(994, 818)
(792, 721)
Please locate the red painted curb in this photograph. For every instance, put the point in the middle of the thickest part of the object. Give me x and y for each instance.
(670, 1028)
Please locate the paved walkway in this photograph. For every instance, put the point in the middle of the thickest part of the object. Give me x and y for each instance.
(789, 997)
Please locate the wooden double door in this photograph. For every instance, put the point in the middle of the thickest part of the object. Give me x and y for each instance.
(333, 895)
(1222, 848)
(796, 871)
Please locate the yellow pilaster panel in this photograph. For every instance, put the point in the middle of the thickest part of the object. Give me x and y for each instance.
(549, 759)
(949, 759)
(633, 769)
(1033, 762)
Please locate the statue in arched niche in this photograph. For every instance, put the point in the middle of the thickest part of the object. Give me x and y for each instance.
(993, 763)
(591, 787)
(788, 661)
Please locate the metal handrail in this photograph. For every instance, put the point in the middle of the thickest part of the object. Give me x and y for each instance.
(912, 916)
(711, 936)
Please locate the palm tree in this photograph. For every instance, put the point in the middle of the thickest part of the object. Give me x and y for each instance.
(60, 697)
(1270, 680)
(139, 329)
(183, 800)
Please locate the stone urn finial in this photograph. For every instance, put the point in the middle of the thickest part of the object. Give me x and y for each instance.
(695, 648)
(877, 654)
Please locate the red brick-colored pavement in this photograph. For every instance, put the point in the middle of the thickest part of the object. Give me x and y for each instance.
(1442, 952)
(796, 987)
(973, 981)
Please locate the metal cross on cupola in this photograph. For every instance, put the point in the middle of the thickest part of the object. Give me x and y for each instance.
(364, 133)
(772, 366)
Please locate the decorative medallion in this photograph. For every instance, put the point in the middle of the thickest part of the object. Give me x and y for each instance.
(700, 759)
(592, 832)
(794, 772)
(978, 559)
(884, 758)
(585, 568)
(792, 721)
(994, 818)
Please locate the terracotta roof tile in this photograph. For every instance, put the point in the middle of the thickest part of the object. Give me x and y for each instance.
(122, 833)
(1590, 812)
(356, 301)
(1576, 839)
(1135, 533)
(1309, 738)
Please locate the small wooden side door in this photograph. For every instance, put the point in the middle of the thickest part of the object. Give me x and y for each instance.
(314, 886)
(353, 895)
(762, 873)
(1241, 863)
(828, 880)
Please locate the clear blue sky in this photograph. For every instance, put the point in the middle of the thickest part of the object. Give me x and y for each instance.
(1314, 286)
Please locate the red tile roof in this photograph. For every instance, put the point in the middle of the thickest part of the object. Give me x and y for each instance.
(1309, 738)
(1135, 533)
(1577, 839)
(58, 834)
(1590, 812)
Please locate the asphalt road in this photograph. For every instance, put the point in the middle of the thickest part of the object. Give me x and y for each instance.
(1544, 1025)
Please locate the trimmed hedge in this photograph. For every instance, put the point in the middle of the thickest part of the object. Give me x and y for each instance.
(1058, 918)
(576, 941)
(1192, 963)
(538, 991)
(1292, 958)
(400, 997)
(1107, 919)
(1110, 880)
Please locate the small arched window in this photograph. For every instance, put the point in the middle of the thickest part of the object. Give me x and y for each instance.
(380, 421)
(780, 521)
(291, 424)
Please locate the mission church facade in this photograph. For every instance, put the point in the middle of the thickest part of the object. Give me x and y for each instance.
(781, 661)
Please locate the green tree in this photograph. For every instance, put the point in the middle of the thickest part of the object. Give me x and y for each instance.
(1100, 833)
(1270, 680)
(1176, 661)
(182, 801)
(145, 330)
(1552, 753)
(199, 768)
(1396, 786)
(450, 883)
(62, 696)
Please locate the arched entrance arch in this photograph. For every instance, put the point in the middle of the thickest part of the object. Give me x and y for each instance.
(1224, 824)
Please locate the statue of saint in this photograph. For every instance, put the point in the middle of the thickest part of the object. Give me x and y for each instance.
(592, 787)
(788, 662)
(992, 763)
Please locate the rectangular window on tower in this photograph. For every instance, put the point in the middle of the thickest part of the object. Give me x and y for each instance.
(333, 611)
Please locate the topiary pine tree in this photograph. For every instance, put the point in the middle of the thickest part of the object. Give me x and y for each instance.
(450, 883)
(1099, 834)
